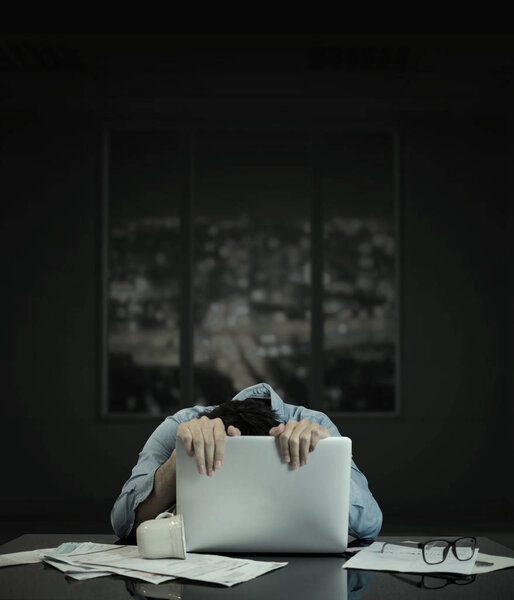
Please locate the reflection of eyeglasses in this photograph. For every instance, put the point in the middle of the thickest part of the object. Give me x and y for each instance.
(436, 551)
(434, 582)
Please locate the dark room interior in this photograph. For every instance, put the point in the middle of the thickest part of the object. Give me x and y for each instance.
(439, 458)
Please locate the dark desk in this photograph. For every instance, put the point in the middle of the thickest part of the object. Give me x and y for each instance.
(309, 577)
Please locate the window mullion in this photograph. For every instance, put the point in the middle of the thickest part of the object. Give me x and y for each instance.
(316, 276)
(186, 267)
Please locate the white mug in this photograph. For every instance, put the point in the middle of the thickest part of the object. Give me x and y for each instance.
(162, 537)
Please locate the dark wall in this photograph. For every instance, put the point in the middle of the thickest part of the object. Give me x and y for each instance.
(449, 451)
(451, 447)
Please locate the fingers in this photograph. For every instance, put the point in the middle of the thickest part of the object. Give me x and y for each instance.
(300, 435)
(297, 439)
(198, 445)
(219, 444)
(305, 437)
(277, 430)
(205, 439)
(318, 433)
(208, 443)
(283, 440)
(186, 435)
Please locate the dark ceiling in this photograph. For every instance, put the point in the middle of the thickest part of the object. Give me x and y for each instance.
(97, 52)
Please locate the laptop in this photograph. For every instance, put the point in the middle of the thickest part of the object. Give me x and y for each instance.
(257, 503)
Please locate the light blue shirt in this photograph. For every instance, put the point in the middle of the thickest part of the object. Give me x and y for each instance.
(365, 518)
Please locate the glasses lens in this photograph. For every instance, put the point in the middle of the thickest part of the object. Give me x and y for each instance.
(435, 551)
(464, 548)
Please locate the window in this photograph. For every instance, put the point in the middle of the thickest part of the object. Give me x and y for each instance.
(143, 282)
(359, 273)
(238, 256)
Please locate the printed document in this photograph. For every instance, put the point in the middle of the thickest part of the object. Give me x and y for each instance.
(22, 558)
(405, 560)
(199, 567)
(487, 562)
(62, 558)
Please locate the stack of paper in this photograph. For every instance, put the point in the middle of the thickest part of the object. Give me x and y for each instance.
(87, 560)
(67, 558)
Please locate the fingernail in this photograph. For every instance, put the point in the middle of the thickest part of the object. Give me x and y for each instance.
(210, 472)
(217, 464)
(287, 459)
(302, 463)
(202, 469)
(295, 465)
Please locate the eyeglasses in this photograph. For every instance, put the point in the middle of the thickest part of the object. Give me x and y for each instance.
(435, 551)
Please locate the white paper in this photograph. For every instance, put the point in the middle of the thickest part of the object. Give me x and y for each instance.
(82, 572)
(77, 572)
(69, 568)
(78, 548)
(85, 576)
(23, 558)
(405, 560)
(199, 567)
(494, 563)
(67, 563)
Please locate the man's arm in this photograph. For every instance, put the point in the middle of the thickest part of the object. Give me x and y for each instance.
(163, 493)
(139, 486)
(152, 487)
(365, 519)
(202, 438)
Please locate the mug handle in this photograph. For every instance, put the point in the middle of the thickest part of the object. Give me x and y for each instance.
(164, 515)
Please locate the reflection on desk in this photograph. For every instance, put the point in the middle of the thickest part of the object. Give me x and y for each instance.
(301, 579)
(306, 577)
(433, 581)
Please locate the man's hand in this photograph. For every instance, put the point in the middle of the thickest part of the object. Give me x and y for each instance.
(297, 439)
(204, 439)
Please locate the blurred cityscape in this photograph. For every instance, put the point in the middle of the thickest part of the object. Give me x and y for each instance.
(359, 315)
(143, 316)
(251, 299)
(252, 304)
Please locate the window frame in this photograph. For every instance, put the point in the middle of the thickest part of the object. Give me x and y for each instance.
(187, 131)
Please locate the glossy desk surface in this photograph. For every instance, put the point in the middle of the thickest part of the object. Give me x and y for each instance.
(309, 577)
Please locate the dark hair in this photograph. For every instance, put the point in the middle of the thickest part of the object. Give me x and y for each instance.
(251, 416)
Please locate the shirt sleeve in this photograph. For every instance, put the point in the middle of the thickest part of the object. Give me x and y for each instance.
(137, 488)
(365, 518)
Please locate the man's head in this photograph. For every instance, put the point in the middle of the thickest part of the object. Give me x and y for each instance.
(252, 416)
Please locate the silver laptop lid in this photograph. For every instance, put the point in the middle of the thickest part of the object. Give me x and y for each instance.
(257, 503)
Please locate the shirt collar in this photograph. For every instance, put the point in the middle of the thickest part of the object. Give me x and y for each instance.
(263, 390)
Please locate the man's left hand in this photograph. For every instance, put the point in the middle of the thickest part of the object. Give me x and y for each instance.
(297, 439)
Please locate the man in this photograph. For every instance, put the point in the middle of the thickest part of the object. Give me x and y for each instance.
(151, 489)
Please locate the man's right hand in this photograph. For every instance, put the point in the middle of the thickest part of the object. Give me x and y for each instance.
(204, 439)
